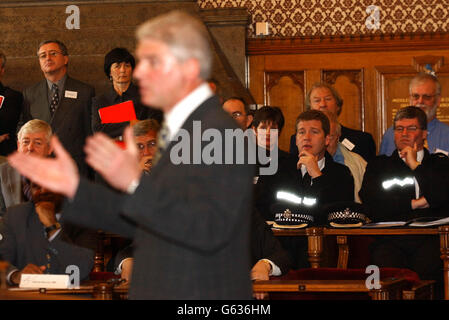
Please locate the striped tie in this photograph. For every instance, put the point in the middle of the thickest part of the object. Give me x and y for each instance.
(54, 99)
(163, 138)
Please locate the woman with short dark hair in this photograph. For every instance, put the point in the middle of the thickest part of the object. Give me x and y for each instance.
(118, 67)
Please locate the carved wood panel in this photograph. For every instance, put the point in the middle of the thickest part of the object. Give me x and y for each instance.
(349, 84)
(285, 89)
(393, 88)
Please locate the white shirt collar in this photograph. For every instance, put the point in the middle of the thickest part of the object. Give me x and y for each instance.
(175, 118)
(321, 164)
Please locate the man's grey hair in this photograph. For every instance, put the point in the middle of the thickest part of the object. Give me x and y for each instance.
(35, 126)
(142, 127)
(185, 35)
(334, 92)
(61, 46)
(424, 77)
(3, 59)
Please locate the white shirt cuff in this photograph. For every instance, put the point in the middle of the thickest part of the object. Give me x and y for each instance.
(119, 268)
(275, 270)
(133, 186)
(54, 235)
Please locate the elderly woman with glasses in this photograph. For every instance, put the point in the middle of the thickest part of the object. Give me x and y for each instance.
(118, 67)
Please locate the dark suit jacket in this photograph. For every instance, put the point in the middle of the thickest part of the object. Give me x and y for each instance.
(11, 187)
(264, 245)
(9, 118)
(335, 184)
(394, 203)
(193, 222)
(72, 120)
(363, 141)
(24, 241)
(110, 97)
(364, 144)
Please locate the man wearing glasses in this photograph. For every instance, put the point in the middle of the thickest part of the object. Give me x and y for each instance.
(239, 110)
(61, 101)
(425, 93)
(411, 183)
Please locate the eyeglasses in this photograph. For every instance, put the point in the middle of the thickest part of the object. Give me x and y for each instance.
(425, 97)
(149, 145)
(53, 54)
(236, 114)
(409, 128)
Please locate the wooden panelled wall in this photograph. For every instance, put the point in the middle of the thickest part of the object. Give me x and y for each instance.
(106, 24)
(370, 73)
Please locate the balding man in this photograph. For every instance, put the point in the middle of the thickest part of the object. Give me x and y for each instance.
(239, 110)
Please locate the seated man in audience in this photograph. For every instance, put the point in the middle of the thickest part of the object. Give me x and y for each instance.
(425, 93)
(33, 138)
(318, 177)
(239, 110)
(145, 135)
(322, 97)
(408, 184)
(35, 240)
(342, 155)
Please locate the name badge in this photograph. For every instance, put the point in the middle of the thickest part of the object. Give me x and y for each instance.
(442, 151)
(71, 94)
(348, 144)
(2, 98)
(53, 281)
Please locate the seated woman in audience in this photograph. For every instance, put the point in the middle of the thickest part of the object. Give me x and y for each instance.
(118, 67)
(267, 125)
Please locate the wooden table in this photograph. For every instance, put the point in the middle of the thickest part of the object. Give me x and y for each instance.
(390, 289)
(90, 290)
(315, 242)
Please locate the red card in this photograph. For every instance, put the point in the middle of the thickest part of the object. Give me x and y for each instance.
(118, 112)
(2, 98)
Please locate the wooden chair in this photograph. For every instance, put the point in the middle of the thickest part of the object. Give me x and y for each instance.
(107, 245)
